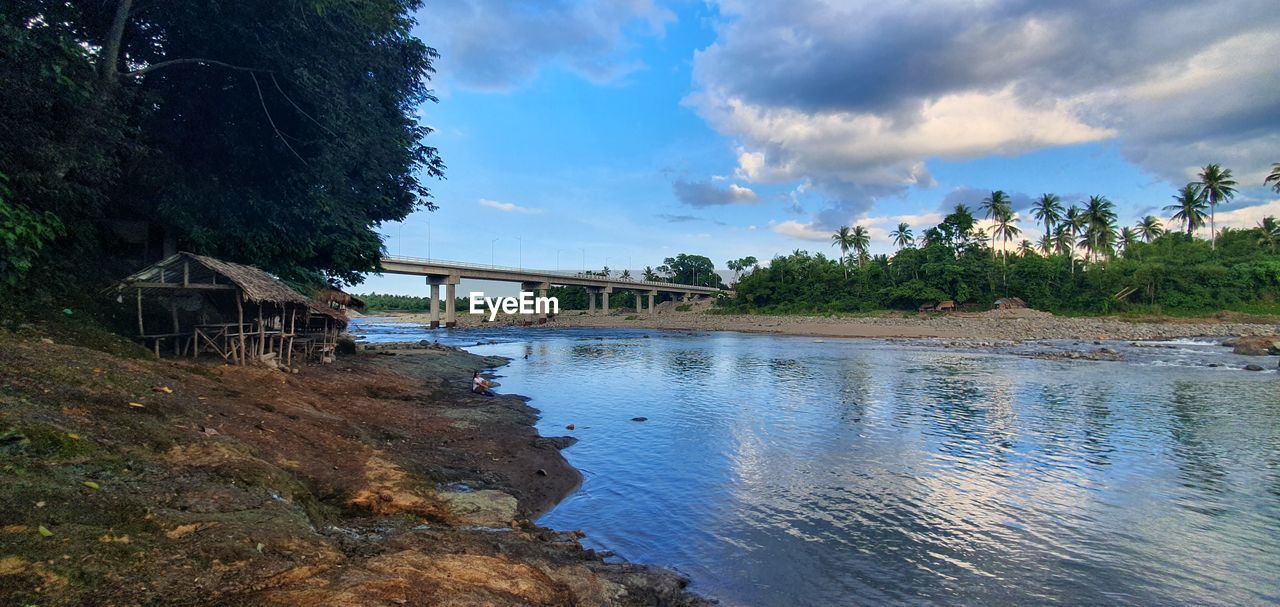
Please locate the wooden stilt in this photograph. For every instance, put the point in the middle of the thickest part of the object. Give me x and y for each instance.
(177, 343)
(240, 329)
(141, 330)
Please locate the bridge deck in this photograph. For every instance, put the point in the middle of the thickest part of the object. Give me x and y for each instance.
(418, 266)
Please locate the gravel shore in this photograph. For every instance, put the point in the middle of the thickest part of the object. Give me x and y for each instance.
(1009, 325)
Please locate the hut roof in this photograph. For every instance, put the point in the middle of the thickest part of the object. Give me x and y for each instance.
(255, 285)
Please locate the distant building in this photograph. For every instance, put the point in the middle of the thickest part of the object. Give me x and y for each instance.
(1010, 303)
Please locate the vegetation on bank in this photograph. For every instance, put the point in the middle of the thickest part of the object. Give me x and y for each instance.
(1084, 263)
(275, 134)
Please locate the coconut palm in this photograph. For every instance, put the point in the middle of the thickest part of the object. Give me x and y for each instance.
(1188, 207)
(649, 275)
(1064, 241)
(1099, 226)
(902, 236)
(1025, 248)
(1046, 244)
(843, 238)
(1127, 237)
(1274, 177)
(1217, 186)
(1150, 228)
(861, 243)
(994, 206)
(1073, 222)
(1270, 232)
(1047, 210)
(1004, 229)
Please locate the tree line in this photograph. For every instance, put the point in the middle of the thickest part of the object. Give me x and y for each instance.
(1084, 261)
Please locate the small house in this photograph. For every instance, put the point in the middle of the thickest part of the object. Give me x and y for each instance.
(1010, 303)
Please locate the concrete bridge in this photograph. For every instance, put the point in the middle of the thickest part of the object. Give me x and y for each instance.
(448, 273)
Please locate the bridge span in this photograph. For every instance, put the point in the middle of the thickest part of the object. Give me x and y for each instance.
(448, 273)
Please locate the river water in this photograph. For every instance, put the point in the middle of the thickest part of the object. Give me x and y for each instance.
(793, 471)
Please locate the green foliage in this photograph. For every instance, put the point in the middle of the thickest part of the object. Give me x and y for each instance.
(278, 134)
(23, 236)
(379, 302)
(690, 270)
(1174, 273)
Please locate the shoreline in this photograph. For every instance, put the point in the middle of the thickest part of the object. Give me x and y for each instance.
(996, 325)
(378, 479)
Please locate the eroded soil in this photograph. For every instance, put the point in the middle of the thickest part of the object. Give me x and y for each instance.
(379, 480)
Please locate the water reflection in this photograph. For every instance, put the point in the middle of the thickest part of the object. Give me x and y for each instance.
(778, 471)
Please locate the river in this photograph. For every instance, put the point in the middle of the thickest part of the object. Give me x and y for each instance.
(794, 471)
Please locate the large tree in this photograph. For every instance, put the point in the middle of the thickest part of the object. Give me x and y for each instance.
(1047, 209)
(1188, 207)
(688, 269)
(280, 134)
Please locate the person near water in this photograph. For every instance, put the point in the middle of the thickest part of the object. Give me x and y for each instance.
(480, 385)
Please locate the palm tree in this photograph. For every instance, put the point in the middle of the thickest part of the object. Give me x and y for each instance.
(1099, 226)
(1005, 229)
(1073, 221)
(649, 275)
(1150, 228)
(1026, 248)
(1047, 210)
(843, 238)
(1064, 241)
(861, 243)
(996, 205)
(1046, 244)
(1216, 185)
(1274, 177)
(1127, 237)
(902, 236)
(1270, 232)
(1188, 207)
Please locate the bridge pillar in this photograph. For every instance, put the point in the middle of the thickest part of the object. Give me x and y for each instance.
(435, 280)
(639, 302)
(435, 305)
(604, 300)
(450, 313)
(591, 301)
(652, 295)
(540, 289)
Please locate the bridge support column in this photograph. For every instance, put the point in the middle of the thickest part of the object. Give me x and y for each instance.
(652, 296)
(540, 291)
(450, 313)
(604, 300)
(448, 280)
(639, 301)
(591, 301)
(435, 305)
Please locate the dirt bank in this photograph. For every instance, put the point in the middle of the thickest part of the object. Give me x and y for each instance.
(1012, 325)
(379, 480)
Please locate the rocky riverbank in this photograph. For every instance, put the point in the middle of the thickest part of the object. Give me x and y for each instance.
(378, 480)
(1010, 325)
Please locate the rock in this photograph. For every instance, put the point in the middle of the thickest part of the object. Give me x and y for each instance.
(569, 427)
(46, 340)
(485, 507)
(541, 472)
(1255, 346)
(639, 419)
(1253, 367)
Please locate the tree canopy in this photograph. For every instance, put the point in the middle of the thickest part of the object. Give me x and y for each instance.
(279, 134)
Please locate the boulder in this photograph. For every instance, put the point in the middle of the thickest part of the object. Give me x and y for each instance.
(1261, 345)
(1253, 367)
(485, 507)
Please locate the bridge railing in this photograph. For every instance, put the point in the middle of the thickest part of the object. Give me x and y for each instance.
(570, 274)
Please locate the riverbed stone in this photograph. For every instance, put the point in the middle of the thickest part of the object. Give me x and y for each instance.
(1253, 367)
(485, 507)
(1261, 345)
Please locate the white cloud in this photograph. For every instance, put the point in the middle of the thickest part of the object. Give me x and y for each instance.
(803, 231)
(507, 207)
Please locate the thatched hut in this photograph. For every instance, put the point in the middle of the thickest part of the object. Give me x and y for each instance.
(1010, 303)
(200, 304)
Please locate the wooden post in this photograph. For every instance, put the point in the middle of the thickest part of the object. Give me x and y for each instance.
(173, 311)
(141, 330)
(186, 273)
(240, 329)
(261, 334)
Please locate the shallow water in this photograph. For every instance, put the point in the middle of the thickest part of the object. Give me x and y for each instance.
(784, 471)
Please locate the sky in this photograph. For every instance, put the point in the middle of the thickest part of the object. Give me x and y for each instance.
(621, 132)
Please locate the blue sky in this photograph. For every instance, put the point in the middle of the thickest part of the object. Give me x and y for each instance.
(621, 132)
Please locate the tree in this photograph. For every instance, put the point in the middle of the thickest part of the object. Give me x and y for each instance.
(1025, 248)
(1188, 207)
(277, 134)
(1274, 177)
(625, 275)
(861, 243)
(1127, 237)
(740, 265)
(1099, 226)
(1048, 211)
(1269, 233)
(1005, 229)
(996, 206)
(649, 275)
(691, 270)
(1216, 186)
(958, 226)
(1150, 228)
(902, 236)
(843, 238)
